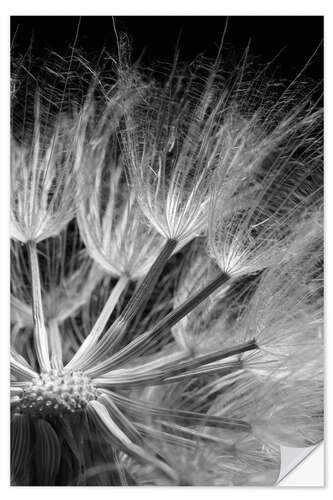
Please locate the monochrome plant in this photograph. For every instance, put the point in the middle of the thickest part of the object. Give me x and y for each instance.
(166, 275)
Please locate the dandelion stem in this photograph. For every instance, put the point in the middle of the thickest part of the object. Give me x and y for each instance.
(101, 321)
(55, 344)
(144, 290)
(169, 372)
(116, 332)
(40, 333)
(148, 339)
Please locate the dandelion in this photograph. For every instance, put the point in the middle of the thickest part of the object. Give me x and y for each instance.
(257, 235)
(146, 370)
(170, 153)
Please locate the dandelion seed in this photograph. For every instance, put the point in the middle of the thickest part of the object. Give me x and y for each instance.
(269, 203)
(171, 154)
(45, 178)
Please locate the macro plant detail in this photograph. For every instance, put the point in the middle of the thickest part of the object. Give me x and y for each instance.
(166, 273)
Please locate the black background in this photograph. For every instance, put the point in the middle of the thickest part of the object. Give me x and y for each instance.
(155, 38)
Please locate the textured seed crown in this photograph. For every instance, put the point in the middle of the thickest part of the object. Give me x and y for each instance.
(56, 392)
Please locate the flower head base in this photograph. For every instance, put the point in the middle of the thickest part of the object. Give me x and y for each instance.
(196, 386)
(55, 393)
